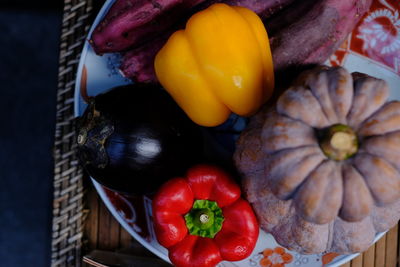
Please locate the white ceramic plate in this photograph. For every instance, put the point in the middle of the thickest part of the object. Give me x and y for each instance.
(373, 48)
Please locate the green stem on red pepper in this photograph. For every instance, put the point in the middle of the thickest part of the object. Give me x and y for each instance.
(204, 219)
(201, 219)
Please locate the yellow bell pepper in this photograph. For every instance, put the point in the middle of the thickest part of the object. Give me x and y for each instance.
(221, 63)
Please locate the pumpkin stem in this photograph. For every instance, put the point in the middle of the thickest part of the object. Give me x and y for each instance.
(339, 142)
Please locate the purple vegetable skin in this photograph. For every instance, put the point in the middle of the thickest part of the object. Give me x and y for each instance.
(130, 23)
(137, 64)
(264, 8)
(320, 26)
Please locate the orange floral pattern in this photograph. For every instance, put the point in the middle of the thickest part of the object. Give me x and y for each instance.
(277, 257)
(328, 258)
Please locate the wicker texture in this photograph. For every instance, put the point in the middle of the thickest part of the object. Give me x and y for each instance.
(68, 212)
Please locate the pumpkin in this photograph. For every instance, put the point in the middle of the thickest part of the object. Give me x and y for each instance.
(322, 166)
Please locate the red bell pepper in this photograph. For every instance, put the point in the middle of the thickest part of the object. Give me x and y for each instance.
(201, 219)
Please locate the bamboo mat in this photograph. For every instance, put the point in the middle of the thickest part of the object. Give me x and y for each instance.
(81, 222)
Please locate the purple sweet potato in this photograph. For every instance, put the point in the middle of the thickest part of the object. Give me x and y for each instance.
(137, 63)
(346, 9)
(132, 22)
(316, 34)
(264, 8)
(302, 33)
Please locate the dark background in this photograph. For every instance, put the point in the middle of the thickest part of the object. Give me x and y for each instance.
(29, 47)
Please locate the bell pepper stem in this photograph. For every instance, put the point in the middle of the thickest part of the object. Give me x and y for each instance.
(204, 219)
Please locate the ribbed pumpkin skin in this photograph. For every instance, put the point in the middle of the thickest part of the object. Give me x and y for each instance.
(309, 202)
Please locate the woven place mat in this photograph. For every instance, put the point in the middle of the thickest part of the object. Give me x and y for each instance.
(71, 193)
(68, 211)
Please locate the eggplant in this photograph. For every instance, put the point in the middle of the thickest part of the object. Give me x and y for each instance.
(133, 138)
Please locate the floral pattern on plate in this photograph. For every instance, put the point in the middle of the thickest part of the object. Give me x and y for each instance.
(277, 257)
(128, 207)
(378, 34)
(376, 37)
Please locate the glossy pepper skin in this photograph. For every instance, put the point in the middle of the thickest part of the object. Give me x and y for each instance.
(221, 63)
(175, 199)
